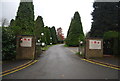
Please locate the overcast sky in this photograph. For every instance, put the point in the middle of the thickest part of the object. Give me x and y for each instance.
(56, 13)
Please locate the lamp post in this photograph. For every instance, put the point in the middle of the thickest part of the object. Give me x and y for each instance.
(81, 42)
(38, 41)
(80, 50)
(51, 40)
(43, 43)
(79, 47)
(42, 34)
(50, 37)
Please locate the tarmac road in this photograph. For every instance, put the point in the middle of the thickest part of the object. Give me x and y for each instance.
(60, 63)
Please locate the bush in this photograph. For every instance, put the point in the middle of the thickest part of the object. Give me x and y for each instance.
(113, 38)
(8, 44)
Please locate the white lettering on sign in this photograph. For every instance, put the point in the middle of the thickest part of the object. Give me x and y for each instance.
(26, 42)
(94, 44)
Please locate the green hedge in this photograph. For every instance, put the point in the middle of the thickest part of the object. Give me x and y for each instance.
(8, 44)
(113, 38)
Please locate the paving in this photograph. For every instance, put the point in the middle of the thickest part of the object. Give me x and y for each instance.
(58, 62)
(109, 59)
(106, 58)
(6, 65)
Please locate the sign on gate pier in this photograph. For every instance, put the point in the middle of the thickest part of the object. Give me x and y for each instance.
(25, 47)
(94, 48)
(95, 44)
(26, 42)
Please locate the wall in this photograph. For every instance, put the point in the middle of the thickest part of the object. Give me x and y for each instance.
(91, 53)
(25, 52)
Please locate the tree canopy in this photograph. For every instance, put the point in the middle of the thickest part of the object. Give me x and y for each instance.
(47, 35)
(105, 18)
(53, 35)
(75, 31)
(25, 18)
(39, 27)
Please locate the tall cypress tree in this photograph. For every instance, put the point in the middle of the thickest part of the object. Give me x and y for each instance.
(75, 32)
(47, 35)
(25, 18)
(70, 27)
(53, 35)
(105, 18)
(105, 25)
(39, 28)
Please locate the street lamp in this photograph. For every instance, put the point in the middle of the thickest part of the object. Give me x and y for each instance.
(80, 47)
(42, 34)
(81, 42)
(38, 41)
(50, 37)
(43, 43)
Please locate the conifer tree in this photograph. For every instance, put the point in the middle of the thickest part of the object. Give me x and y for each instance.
(105, 24)
(47, 35)
(53, 35)
(105, 18)
(70, 27)
(24, 20)
(39, 28)
(75, 32)
(12, 23)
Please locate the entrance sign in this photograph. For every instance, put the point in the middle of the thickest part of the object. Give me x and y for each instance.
(26, 47)
(93, 48)
(95, 44)
(26, 42)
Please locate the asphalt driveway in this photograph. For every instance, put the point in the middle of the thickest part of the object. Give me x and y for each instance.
(60, 63)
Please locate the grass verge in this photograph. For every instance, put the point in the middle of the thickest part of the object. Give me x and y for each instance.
(66, 45)
(46, 47)
(80, 55)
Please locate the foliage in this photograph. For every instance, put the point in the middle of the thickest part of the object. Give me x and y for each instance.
(23, 24)
(110, 34)
(12, 23)
(105, 18)
(82, 38)
(60, 36)
(72, 40)
(39, 28)
(47, 35)
(8, 44)
(46, 47)
(70, 27)
(65, 45)
(53, 35)
(25, 18)
(111, 40)
(75, 32)
(105, 25)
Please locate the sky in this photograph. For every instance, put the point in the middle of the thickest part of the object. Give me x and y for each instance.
(56, 13)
